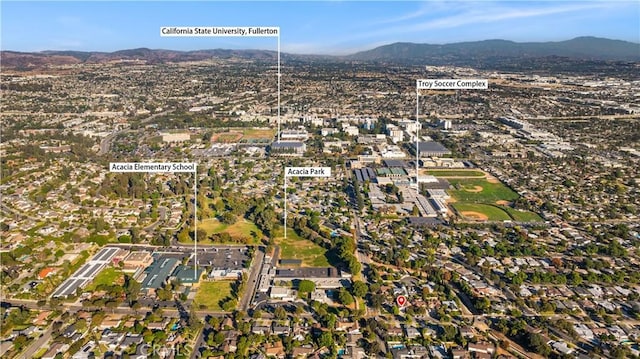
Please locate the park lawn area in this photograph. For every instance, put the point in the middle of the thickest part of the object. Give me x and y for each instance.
(295, 247)
(480, 191)
(242, 228)
(456, 173)
(522, 216)
(108, 276)
(258, 134)
(491, 212)
(210, 294)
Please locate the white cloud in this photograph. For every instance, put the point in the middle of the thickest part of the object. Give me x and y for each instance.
(493, 14)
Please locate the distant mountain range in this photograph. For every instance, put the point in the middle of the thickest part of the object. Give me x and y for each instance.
(581, 48)
(488, 53)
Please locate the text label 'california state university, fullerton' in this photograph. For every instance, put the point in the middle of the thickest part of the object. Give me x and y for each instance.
(452, 84)
(307, 171)
(219, 31)
(153, 167)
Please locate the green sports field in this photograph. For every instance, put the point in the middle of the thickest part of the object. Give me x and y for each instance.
(456, 173)
(482, 199)
(210, 294)
(522, 216)
(480, 190)
(258, 134)
(294, 247)
(492, 213)
(241, 229)
(108, 276)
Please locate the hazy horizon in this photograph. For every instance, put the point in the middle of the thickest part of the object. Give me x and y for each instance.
(292, 53)
(319, 28)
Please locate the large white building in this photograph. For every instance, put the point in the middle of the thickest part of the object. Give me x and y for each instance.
(288, 148)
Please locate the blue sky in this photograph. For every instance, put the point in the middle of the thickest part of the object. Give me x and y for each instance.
(324, 27)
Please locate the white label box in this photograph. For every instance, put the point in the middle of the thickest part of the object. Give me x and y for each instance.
(153, 167)
(452, 84)
(307, 171)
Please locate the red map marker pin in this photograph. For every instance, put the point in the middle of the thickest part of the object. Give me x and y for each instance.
(401, 300)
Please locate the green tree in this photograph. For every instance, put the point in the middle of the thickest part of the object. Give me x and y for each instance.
(345, 297)
(359, 289)
(280, 313)
(325, 340)
(306, 286)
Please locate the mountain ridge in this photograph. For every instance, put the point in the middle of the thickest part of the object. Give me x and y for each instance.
(584, 48)
(479, 53)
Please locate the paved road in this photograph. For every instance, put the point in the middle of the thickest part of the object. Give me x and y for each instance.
(18, 213)
(38, 343)
(195, 353)
(252, 280)
(105, 144)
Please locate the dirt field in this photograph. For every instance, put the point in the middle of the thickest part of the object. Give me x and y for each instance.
(226, 137)
(475, 189)
(258, 134)
(475, 215)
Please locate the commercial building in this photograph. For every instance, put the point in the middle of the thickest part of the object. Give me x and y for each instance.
(136, 260)
(158, 273)
(187, 275)
(391, 172)
(351, 130)
(288, 148)
(225, 274)
(372, 139)
(432, 149)
(282, 293)
(392, 151)
(326, 277)
(328, 131)
(364, 174)
(512, 122)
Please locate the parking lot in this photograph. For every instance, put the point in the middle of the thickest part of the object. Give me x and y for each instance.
(222, 258)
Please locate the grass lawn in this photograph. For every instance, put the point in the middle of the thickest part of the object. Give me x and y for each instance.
(480, 191)
(456, 173)
(242, 228)
(211, 294)
(40, 353)
(108, 276)
(258, 134)
(294, 247)
(228, 137)
(522, 216)
(493, 213)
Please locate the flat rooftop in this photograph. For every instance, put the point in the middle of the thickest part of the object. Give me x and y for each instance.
(432, 146)
(323, 272)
